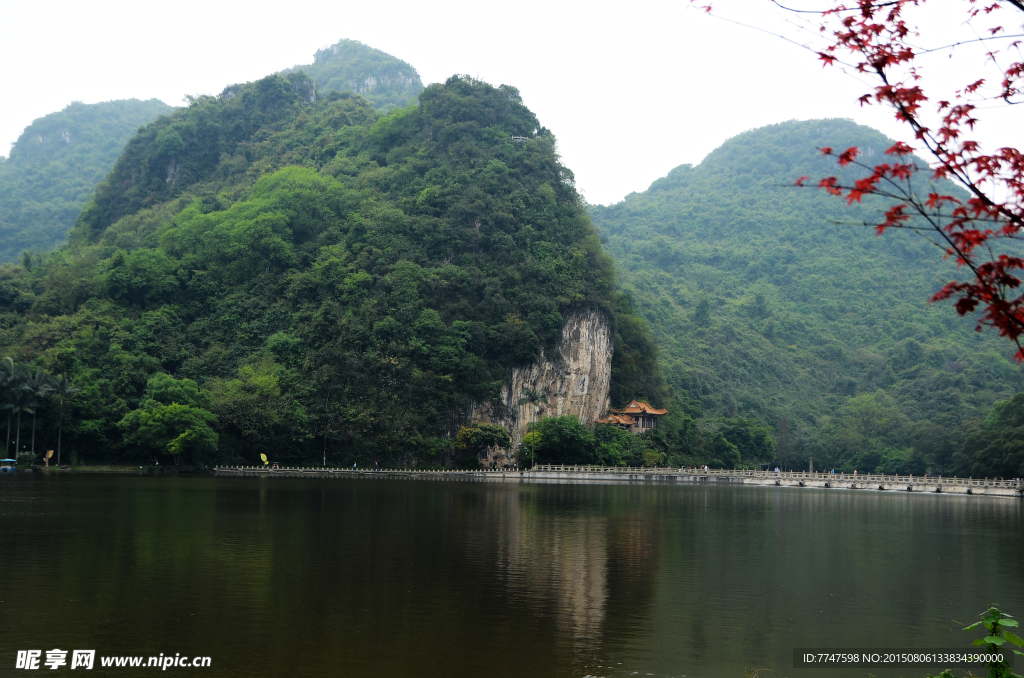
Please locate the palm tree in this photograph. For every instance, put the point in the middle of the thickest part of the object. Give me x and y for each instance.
(62, 388)
(37, 387)
(18, 401)
(533, 397)
(8, 374)
(16, 398)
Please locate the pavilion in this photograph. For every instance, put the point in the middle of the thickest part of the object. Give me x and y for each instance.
(636, 417)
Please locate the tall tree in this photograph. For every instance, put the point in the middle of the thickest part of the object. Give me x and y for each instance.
(533, 397)
(8, 376)
(37, 387)
(62, 388)
(19, 401)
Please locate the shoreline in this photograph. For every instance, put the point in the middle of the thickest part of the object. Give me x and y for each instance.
(610, 475)
(566, 474)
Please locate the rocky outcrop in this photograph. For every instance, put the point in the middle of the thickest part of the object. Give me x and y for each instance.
(398, 81)
(575, 377)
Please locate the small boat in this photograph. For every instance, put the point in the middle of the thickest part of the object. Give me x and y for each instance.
(8, 465)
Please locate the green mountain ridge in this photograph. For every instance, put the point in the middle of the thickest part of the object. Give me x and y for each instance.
(771, 304)
(385, 81)
(55, 165)
(269, 272)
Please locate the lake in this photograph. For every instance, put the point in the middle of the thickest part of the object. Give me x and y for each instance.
(383, 577)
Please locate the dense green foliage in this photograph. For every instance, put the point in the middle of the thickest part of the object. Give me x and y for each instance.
(772, 303)
(26, 390)
(567, 440)
(996, 448)
(385, 81)
(58, 160)
(474, 440)
(55, 165)
(994, 628)
(319, 280)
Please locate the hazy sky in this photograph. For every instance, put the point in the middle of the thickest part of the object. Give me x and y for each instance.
(631, 89)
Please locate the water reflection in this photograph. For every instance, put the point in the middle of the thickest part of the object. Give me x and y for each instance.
(400, 578)
(559, 559)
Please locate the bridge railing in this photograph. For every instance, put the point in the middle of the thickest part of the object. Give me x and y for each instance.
(358, 470)
(866, 478)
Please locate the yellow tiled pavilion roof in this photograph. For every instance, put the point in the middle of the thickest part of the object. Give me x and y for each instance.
(640, 407)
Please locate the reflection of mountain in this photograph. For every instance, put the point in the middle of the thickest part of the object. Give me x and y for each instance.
(580, 553)
(582, 550)
(288, 576)
(559, 560)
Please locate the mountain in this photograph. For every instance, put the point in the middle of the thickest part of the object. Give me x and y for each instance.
(385, 81)
(775, 306)
(271, 272)
(55, 165)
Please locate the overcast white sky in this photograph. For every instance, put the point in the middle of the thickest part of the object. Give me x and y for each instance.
(631, 89)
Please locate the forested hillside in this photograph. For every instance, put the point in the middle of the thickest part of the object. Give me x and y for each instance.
(58, 160)
(774, 308)
(385, 81)
(55, 165)
(269, 272)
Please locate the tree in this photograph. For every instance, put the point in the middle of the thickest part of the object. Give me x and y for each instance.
(174, 429)
(562, 440)
(37, 388)
(721, 453)
(165, 389)
(755, 443)
(8, 381)
(253, 404)
(997, 449)
(533, 397)
(876, 39)
(901, 463)
(782, 440)
(173, 419)
(614, 446)
(62, 388)
(475, 439)
(17, 400)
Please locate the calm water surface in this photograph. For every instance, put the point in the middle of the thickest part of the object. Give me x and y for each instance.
(295, 577)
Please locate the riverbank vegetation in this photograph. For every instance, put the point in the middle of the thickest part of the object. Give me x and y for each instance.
(27, 390)
(262, 273)
(678, 441)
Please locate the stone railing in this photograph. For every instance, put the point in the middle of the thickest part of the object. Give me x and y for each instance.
(360, 469)
(756, 477)
(1014, 483)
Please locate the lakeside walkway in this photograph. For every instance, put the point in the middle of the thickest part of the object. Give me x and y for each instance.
(559, 473)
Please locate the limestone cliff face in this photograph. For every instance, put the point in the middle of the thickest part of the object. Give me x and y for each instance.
(575, 377)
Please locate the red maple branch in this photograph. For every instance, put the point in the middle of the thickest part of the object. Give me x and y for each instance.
(876, 38)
